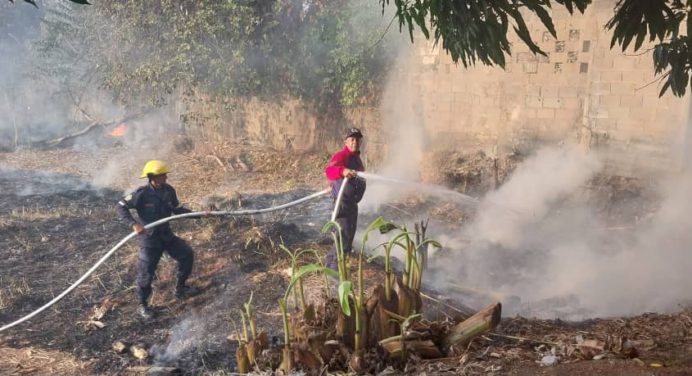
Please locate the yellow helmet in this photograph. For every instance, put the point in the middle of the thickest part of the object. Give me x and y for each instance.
(154, 167)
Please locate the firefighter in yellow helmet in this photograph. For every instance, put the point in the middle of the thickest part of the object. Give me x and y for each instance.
(154, 201)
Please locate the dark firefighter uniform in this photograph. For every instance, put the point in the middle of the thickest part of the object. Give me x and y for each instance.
(347, 213)
(151, 205)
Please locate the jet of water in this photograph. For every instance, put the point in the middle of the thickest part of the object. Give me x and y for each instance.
(435, 190)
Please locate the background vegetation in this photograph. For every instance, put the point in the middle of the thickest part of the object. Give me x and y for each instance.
(325, 52)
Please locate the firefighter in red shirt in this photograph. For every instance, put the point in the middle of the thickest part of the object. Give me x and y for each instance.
(345, 164)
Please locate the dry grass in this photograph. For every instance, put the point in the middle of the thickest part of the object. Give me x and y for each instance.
(31, 361)
(13, 289)
(30, 214)
(18, 288)
(3, 303)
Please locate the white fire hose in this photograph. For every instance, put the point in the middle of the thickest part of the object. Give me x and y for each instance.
(162, 221)
(338, 199)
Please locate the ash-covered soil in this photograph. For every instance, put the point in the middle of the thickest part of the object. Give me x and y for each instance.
(57, 218)
(56, 226)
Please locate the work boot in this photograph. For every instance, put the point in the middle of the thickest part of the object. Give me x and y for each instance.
(184, 291)
(145, 312)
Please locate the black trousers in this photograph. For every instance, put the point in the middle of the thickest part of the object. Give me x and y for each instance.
(149, 255)
(347, 218)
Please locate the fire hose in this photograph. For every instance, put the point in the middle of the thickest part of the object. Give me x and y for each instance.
(160, 222)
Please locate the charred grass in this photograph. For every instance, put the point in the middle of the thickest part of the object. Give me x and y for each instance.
(48, 240)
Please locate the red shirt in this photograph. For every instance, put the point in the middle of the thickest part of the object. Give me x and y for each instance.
(342, 160)
(335, 170)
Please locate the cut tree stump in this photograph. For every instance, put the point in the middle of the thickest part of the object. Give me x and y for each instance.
(461, 334)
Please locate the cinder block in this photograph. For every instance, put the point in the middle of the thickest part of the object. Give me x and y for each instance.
(491, 90)
(445, 103)
(610, 100)
(629, 124)
(611, 75)
(571, 103)
(605, 124)
(639, 77)
(460, 107)
(491, 104)
(528, 113)
(631, 100)
(651, 101)
(444, 86)
(599, 113)
(553, 102)
(622, 88)
(624, 63)
(462, 97)
(530, 67)
(567, 116)
(572, 71)
(548, 91)
(644, 114)
(534, 102)
(604, 63)
(545, 113)
(600, 88)
(595, 101)
(459, 86)
(570, 91)
(533, 90)
(619, 113)
(546, 76)
(558, 57)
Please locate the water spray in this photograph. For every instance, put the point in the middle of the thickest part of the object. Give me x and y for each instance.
(434, 189)
(152, 225)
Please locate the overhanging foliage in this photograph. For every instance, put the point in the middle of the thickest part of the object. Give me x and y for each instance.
(658, 21)
(144, 51)
(477, 30)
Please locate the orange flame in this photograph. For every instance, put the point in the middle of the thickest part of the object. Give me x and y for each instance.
(119, 131)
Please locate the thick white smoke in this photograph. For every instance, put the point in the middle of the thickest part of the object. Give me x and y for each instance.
(538, 246)
(540, 243)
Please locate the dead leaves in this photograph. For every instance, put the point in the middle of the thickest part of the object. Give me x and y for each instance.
(95, 320)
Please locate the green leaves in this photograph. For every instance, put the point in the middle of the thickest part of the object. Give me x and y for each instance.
(476, 30)
(345, 287)
(323, 53)
(659, 20)
(633, 17)
(344, 290)
(673, 61)
(305, 269)
(248, 305)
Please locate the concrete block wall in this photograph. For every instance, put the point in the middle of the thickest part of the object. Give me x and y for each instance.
(582, 91)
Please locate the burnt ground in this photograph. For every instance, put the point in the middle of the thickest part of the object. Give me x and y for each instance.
(57, 220)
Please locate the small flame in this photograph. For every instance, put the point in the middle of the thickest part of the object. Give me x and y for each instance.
(119, 131)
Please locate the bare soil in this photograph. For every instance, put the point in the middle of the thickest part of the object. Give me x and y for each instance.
(57, 219)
